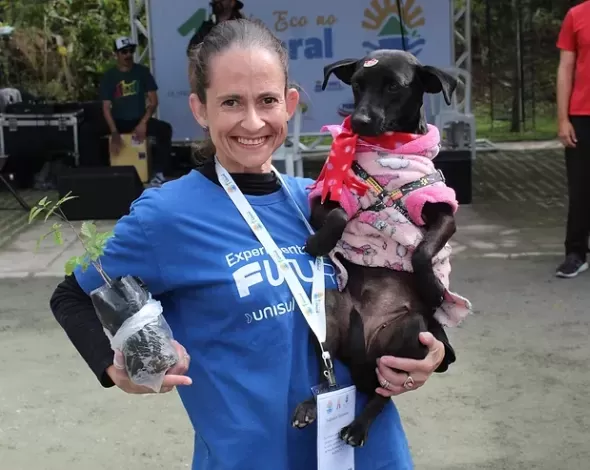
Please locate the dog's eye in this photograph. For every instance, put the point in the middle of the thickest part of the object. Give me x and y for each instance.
(392, 87)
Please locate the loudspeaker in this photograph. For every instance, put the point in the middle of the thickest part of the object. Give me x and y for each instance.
(456, 165)
(102, 193)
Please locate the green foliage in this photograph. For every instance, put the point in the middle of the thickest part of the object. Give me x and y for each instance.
(60, 48)
(515, 101)
(92, 241)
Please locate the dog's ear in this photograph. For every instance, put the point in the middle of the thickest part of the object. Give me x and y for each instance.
(343, 69)
(436, 80)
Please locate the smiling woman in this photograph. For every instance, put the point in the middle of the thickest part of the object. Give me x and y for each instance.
(222, 249)
(241, 97)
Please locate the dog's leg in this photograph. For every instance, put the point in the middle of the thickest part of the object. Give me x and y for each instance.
(356, 433)
(365, 379)
(439, 333)
(329, 219)
(440, 227)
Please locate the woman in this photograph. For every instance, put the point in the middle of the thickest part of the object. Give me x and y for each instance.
(252, 360)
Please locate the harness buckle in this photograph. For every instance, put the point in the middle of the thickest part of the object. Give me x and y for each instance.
(379, 205)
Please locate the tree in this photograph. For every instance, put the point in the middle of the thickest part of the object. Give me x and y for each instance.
(60, 48)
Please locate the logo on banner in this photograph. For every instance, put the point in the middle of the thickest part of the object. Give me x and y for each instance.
(395, 28)
(192, 24)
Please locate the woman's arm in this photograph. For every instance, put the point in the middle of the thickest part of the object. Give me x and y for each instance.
(74, 311)
(128, 252)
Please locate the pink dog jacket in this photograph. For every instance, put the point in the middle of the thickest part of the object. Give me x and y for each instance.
(387, 238)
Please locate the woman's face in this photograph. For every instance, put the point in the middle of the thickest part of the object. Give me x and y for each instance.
(246, 110)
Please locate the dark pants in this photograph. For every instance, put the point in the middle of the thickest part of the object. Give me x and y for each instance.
(92, 131)
(577, 162)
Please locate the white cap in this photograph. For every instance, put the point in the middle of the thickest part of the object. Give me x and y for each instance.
(123, 42)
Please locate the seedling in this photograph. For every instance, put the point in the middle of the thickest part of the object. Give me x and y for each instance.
(148, 351)
(93, 242)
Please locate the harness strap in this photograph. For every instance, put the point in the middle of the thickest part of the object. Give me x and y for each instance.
(393, 198)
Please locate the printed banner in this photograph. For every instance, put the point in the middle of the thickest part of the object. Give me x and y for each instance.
(315, 34)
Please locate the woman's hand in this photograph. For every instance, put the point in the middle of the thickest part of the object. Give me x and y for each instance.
(174, 377)
(416, 373)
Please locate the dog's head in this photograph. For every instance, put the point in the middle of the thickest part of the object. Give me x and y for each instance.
(389, 87)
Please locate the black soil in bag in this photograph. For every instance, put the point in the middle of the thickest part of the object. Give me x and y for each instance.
(148, 352)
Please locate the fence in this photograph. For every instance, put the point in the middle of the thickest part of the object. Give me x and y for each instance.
(514, 64)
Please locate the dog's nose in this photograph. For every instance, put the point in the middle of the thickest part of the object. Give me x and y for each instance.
(362, 124)
(360, 120)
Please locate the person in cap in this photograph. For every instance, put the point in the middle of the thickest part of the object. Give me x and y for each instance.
(222, 10)
(129, 98)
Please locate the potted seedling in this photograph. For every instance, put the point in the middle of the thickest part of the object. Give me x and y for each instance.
(131, 318)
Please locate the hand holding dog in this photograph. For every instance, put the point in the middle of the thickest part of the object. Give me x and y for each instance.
(419, 370)
(174, 377)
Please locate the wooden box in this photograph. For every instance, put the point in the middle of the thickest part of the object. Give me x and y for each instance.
(133, 154)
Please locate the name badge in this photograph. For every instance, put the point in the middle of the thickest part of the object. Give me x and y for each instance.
(335, 410)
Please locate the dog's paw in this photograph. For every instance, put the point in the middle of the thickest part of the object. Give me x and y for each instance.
(355, 434)
(305, 413)
(316, 246)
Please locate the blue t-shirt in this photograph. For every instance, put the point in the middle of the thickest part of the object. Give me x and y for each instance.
(252, 361)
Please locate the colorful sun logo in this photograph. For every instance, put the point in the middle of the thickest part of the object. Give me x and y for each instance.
(395, 28)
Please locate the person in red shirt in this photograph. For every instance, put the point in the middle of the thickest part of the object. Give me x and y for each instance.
(573, 108)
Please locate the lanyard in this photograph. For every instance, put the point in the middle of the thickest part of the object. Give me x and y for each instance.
(313, 310)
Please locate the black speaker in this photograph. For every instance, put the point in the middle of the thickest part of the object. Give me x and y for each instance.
(102, 193)
(456, 165)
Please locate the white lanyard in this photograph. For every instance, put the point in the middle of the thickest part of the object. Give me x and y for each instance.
(314, 312)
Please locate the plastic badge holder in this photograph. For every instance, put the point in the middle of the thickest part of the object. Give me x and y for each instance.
(134, 324)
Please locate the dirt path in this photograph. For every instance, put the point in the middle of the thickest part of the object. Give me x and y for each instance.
(517, 398)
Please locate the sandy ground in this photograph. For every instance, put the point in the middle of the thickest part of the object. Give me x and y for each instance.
(517, 398)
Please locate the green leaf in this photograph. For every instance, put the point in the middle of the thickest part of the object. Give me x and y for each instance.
(84, 264)
(43, 201)
(72, 263)
(93, 252)
(51, 211)
(67, 197)
(58, 238)
(35, 211)
(88, 229)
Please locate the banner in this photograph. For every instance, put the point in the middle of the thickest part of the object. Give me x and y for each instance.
(315, 33)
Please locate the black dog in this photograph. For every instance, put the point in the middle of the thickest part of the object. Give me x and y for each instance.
(382, 311)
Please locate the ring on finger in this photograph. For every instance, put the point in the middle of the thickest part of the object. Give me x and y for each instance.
(409, 383)
(385, 384)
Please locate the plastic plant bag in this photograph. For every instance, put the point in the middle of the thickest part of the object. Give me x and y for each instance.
(134, 324)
